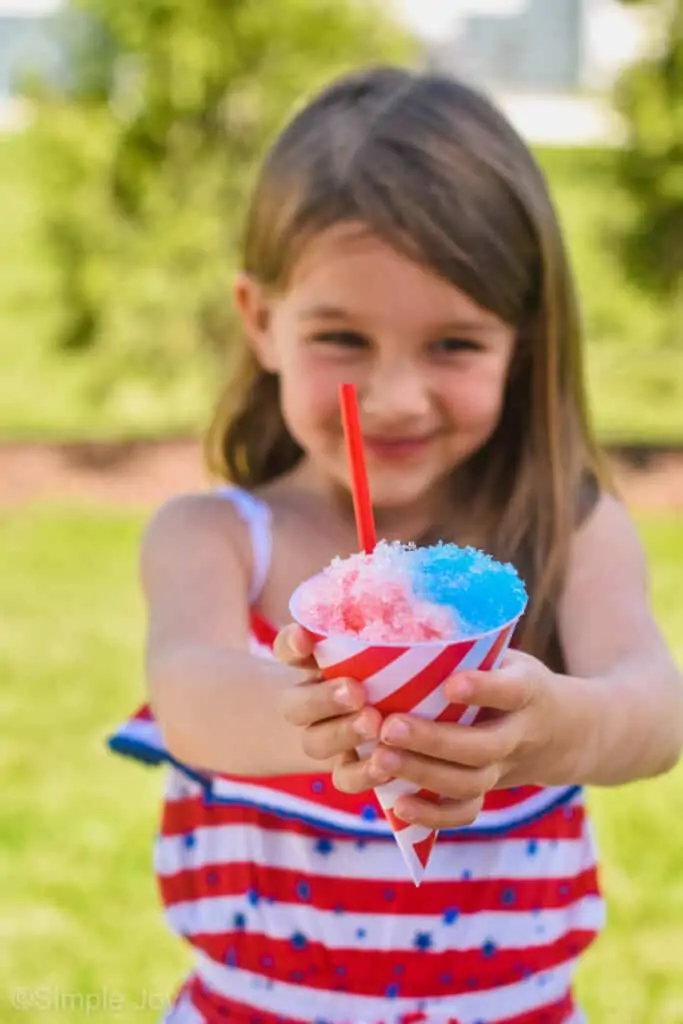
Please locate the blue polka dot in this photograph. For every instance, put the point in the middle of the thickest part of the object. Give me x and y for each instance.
(270, 900)
(536, 911)
(317, 786)
(338, 909)
(422, 940)
(392, 991)
(532, 847)
(542, 981)
(267, 961)
(369, 812)
(361, 933)
(296, 975)
(253, 897)
(421, 1004)
(389, 895)
(189, 840)
(508, 896)
(528, 972)
(399, 969)
(361, 844)
(239, 921)
(472, 982)
(446, 979)
(564, 889)
(299, 940)
(451, 915)
(489, 948)
(466, 875)
(231, 957)
(212, 878)
(324, 846)
(303, 890)
(340, 969)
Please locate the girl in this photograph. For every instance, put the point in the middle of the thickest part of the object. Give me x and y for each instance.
(400, 237)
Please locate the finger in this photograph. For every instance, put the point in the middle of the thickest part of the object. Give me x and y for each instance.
(472, 746)
(341, 735)
(509, 688)
(316, 701)
(353, 775)
(294, 646)
(448, 780)
(441, 815)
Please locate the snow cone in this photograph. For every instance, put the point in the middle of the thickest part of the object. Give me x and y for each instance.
(401, 619)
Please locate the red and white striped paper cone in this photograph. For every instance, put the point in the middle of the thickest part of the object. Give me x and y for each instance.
(407, 678)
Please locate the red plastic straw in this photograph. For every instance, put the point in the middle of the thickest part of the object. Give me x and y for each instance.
(365, 523)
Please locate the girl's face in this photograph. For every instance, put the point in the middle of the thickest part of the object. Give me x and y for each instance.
(429, 365)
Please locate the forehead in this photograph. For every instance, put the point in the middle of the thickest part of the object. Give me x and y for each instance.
(349, 268)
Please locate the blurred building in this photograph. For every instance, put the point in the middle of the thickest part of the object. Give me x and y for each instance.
(549, 63)
(27, 43)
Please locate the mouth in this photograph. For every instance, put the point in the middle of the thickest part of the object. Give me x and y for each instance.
(397, 447)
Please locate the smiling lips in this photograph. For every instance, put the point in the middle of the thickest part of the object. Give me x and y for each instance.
(397, 447)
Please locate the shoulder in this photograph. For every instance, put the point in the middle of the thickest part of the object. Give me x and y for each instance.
(607, 535)
(195, 526)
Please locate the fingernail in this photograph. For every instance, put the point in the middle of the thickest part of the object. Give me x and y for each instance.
(343, 695)
(395, 729)
(387, 760)
(364, 729)
(298, 644)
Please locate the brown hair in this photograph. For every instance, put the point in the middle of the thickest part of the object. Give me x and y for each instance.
(434, 169)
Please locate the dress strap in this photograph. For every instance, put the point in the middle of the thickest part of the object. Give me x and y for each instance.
(256, 514)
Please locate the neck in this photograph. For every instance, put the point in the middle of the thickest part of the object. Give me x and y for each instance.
(404, 523)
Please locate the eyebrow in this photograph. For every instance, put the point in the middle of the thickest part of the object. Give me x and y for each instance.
(337, 313)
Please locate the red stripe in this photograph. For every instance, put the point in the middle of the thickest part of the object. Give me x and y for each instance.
(500, 642)
(364, 664)
(263, 631)
(183, 816)
(424, 848)
(215, 1010)
(366, 896)
(371, 972)
(398, 824)
(421, 685)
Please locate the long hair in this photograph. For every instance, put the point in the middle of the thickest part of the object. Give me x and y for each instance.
(430, 166)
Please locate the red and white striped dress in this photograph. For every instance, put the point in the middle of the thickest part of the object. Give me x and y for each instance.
(299, 907)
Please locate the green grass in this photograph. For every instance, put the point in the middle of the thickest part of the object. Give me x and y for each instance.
(79, 915)
(636, 391)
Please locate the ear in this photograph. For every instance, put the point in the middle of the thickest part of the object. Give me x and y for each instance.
(254, 312)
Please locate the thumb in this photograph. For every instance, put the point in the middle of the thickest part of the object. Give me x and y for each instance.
(294, 646)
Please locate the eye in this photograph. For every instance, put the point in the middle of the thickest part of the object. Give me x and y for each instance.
(344, 339)
(449, 346)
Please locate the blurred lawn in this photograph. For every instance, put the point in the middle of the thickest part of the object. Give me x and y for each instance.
(79, 908)
(636, 391)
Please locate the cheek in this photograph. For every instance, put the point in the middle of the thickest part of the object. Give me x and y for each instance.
(475, 399)
(309, 395)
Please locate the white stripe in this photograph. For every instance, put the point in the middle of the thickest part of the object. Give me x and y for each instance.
(277, 801)
(335, 649)
(392, 932)
(142, 731)
(226, 789)
(401, 671)
(506, 858)
(347, 1008)
(183, 1013)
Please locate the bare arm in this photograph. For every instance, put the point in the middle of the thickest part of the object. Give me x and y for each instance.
(629, 691)
(219, 707)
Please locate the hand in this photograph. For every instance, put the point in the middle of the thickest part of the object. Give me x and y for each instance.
(527, 738)
(333, 716)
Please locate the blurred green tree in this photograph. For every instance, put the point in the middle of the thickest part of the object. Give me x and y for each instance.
(649, 97)
(144, 155)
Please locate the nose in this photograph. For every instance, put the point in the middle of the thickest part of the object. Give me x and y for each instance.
(395, 393)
